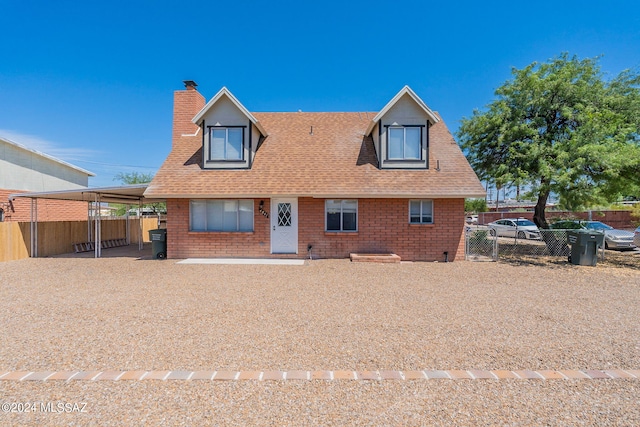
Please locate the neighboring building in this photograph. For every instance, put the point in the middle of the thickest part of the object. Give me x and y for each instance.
(25, 170)
(241, 184)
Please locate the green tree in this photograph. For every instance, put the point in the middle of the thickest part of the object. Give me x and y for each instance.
(560, 127)
(131, 178)
(475, 205)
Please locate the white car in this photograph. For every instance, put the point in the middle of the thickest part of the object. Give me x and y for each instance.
(514, 227)
(613, 239)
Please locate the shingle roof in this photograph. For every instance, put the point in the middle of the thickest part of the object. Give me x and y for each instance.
(337, 160)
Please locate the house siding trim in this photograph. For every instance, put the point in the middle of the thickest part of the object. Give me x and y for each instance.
(250, 159)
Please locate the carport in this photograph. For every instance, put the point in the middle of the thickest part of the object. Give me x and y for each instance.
(126, 194)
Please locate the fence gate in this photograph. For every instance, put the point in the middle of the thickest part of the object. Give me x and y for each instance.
(480, 245)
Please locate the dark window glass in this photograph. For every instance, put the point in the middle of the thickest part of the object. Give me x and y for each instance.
(342, 215)
(333, 221)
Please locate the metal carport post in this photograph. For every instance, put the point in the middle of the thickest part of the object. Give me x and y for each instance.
(33, 227)
(140, 245)
(98, 224)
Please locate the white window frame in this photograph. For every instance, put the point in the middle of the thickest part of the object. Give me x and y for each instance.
(211, 230)
(422, 202)
(225, 158)
(342, 201)
(404, 142)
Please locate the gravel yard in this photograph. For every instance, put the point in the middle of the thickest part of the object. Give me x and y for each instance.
(62, 314)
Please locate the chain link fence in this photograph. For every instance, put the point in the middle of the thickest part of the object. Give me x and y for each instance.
(484, 244)
(480, 245)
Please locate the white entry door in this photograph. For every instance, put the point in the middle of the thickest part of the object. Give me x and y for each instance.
(284, 226)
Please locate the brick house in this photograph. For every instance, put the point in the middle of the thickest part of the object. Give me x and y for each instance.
(242, 184)
(23, 170)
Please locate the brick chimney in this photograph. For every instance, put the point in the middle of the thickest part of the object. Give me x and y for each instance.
(186, 104)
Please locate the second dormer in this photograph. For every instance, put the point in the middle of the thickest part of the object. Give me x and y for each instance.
(400, 132)
(230, 133)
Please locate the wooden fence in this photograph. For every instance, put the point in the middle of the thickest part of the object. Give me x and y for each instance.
(58, 237)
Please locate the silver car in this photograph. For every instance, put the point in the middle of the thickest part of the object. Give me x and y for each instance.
(613, 239)
(636, 238)
(514, 227)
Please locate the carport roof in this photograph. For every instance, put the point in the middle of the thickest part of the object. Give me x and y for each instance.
(127, 194)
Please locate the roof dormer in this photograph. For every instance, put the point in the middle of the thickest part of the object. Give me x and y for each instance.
(230, 133)
(400, 132)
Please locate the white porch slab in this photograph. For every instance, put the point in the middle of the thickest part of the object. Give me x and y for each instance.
(250, 261)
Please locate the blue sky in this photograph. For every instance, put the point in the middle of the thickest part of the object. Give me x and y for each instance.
(92, 82)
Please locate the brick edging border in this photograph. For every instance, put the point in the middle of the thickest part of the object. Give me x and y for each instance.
(223, 375)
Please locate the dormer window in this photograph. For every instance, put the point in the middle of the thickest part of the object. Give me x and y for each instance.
(230, 133)
(405, 143)
(226, 143)
(400, 132)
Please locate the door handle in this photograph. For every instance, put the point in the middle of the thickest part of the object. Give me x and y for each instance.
(274, 228)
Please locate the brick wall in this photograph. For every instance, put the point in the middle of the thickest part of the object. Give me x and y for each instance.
(181, 243)
(382, 228)
(186, 104)
(48, 210)
(617, 219)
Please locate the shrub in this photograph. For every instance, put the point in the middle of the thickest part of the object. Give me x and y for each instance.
(635, 214)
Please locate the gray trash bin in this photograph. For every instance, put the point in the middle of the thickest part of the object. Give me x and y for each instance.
(158, 239)
(584, 246)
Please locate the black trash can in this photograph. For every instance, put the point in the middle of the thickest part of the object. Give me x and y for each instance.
(584, 246)
(158, 243)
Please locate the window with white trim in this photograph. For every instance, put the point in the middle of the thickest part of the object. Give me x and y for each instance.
(221, 215)
(226, 143)
(421, 211)
(341, 215)
(404, 143)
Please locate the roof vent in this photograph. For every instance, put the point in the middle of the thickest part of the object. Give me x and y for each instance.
(190, 84)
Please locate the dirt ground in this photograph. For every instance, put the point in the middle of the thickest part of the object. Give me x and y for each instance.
(133, 313)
